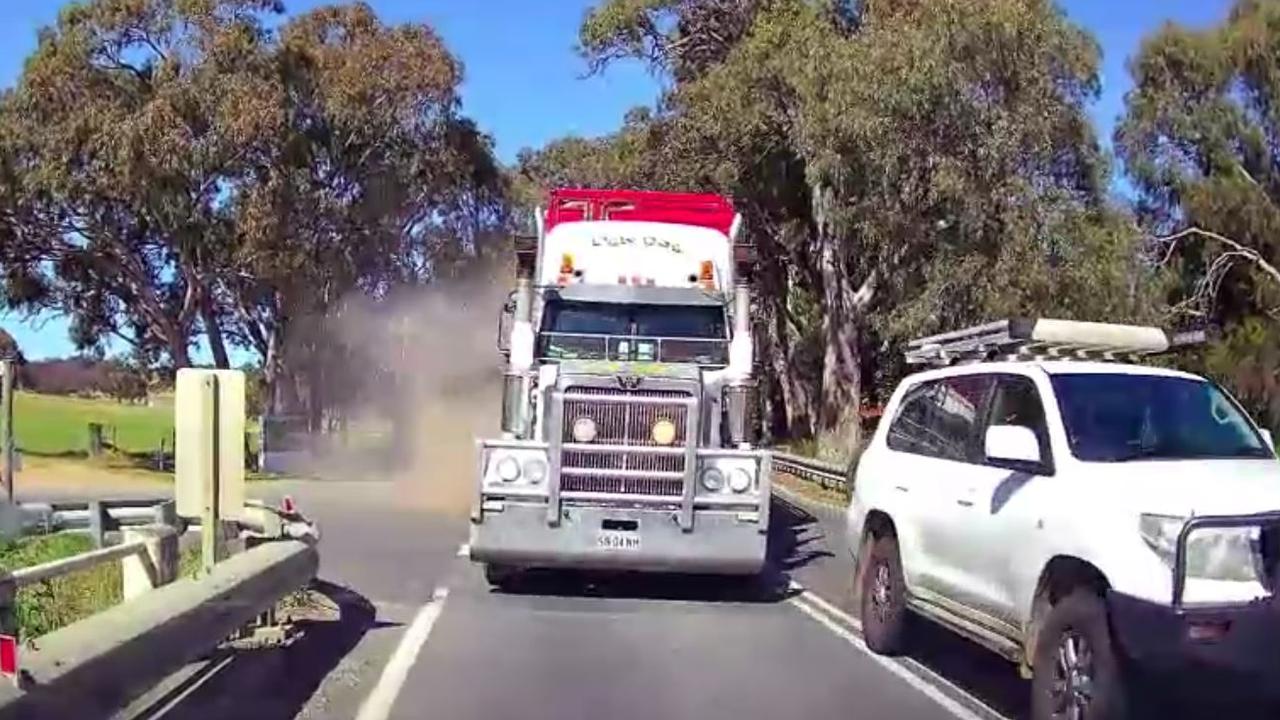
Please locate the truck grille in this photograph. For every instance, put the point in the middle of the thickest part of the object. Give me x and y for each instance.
(629, 425)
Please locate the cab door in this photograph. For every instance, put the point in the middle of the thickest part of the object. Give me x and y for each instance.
(992, 509)
(935, 435)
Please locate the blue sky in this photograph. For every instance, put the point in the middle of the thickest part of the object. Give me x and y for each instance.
(524, 82)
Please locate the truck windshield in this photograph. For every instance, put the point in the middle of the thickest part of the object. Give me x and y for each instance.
(1118, 417)
(655, 333)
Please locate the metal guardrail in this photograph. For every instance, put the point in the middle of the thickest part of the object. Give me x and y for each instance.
(23, 577)
(828, 475)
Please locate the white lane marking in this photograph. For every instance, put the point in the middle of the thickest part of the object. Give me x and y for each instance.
(379, 703)
(464, 550)
(821, 602)
(948, 703)
(915, 665)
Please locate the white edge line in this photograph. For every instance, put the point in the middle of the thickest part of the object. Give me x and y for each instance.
(379, 703)
(917, 666)
(933, 693)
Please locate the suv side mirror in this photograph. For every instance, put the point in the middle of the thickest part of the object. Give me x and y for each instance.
(1013, 443)
(1268, 438)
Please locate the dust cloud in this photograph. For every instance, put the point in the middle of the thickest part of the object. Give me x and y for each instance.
(424, 383)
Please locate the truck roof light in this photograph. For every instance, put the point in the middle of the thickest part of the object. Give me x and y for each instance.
(566, 264)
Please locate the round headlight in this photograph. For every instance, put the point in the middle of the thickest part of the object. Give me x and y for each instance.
(535, 470)
(712, 479)
(508, 469)
(739, 480)
(584, 430)
(664, 432)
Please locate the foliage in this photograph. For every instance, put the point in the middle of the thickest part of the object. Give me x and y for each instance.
(904, 168)
(224, 178)
(1198, 140)
(9, 349)
(49, 605)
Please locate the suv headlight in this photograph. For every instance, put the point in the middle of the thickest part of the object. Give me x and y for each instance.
(1212, 554)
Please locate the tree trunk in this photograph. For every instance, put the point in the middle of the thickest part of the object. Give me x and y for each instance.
(217, 345)
(841, 394)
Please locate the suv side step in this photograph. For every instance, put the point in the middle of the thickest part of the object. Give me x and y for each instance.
(969, 629)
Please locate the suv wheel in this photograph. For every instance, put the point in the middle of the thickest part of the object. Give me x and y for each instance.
(1077, 674)
(883, 599)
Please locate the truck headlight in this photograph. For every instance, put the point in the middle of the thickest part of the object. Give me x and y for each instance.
(1212, 554)
(584, 430)
(739, 480)
(508, 469)
(664, 432)
(713, 479)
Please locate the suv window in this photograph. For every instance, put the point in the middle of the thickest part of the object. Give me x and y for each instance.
(940, 418)
(1017, 402)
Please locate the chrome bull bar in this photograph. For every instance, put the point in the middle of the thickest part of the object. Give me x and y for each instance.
(1221, 522)
(688, 502)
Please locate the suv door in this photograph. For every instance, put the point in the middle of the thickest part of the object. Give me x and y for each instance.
(934, 434)
(992, 515)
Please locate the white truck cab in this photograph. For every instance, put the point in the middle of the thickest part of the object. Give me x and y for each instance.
(1071, 512)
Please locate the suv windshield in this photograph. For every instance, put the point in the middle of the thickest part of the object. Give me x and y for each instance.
(655, 333)
(1116, 417)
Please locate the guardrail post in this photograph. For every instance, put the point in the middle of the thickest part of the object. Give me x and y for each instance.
(8, 604)
(157, 565)
(8, 368)
(100, 522)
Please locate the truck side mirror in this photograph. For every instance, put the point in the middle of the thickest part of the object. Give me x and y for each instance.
(506, 318)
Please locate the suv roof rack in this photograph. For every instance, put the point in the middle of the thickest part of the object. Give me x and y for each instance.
(1045, 339)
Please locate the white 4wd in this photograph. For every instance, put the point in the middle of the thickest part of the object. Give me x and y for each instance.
(1077, 517)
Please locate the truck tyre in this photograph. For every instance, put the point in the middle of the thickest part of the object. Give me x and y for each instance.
(883, 602)
(1077, 672)
(499, 576)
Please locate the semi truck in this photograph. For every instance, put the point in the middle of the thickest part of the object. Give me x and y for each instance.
(629, 416)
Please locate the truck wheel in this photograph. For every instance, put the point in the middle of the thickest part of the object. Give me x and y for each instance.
(1076, 671)
(499, 576)
(883, 589)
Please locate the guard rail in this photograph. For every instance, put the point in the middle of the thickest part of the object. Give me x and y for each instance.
(828, 475)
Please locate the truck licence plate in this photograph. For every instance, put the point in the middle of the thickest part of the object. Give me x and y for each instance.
(618, 540)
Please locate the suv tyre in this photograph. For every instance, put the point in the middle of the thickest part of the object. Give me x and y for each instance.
(883, 590)
(1077, 672)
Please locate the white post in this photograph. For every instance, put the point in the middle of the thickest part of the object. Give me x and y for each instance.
(7, 371)
(156, 566)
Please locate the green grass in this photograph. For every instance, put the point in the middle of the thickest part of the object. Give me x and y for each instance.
(59, 425)
(53, 604)
(47, 606)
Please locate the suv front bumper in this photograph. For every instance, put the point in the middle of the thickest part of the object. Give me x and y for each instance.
(721, 541)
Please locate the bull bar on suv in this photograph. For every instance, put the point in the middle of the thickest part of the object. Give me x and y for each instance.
(1230, 643)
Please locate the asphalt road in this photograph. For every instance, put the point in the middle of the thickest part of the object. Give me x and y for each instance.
(405, 627)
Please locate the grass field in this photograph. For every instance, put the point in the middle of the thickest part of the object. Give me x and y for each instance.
(58, 425)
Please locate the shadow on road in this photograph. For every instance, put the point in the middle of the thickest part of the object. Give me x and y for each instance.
(276, 683)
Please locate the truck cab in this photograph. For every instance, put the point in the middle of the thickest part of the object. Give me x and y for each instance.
(627, 418)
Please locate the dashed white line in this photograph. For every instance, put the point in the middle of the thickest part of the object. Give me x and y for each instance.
(933, 693)
(379, 703)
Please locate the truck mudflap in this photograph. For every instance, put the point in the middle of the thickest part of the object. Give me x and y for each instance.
(722, 541)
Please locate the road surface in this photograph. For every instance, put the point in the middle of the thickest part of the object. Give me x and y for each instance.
(406, 628)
